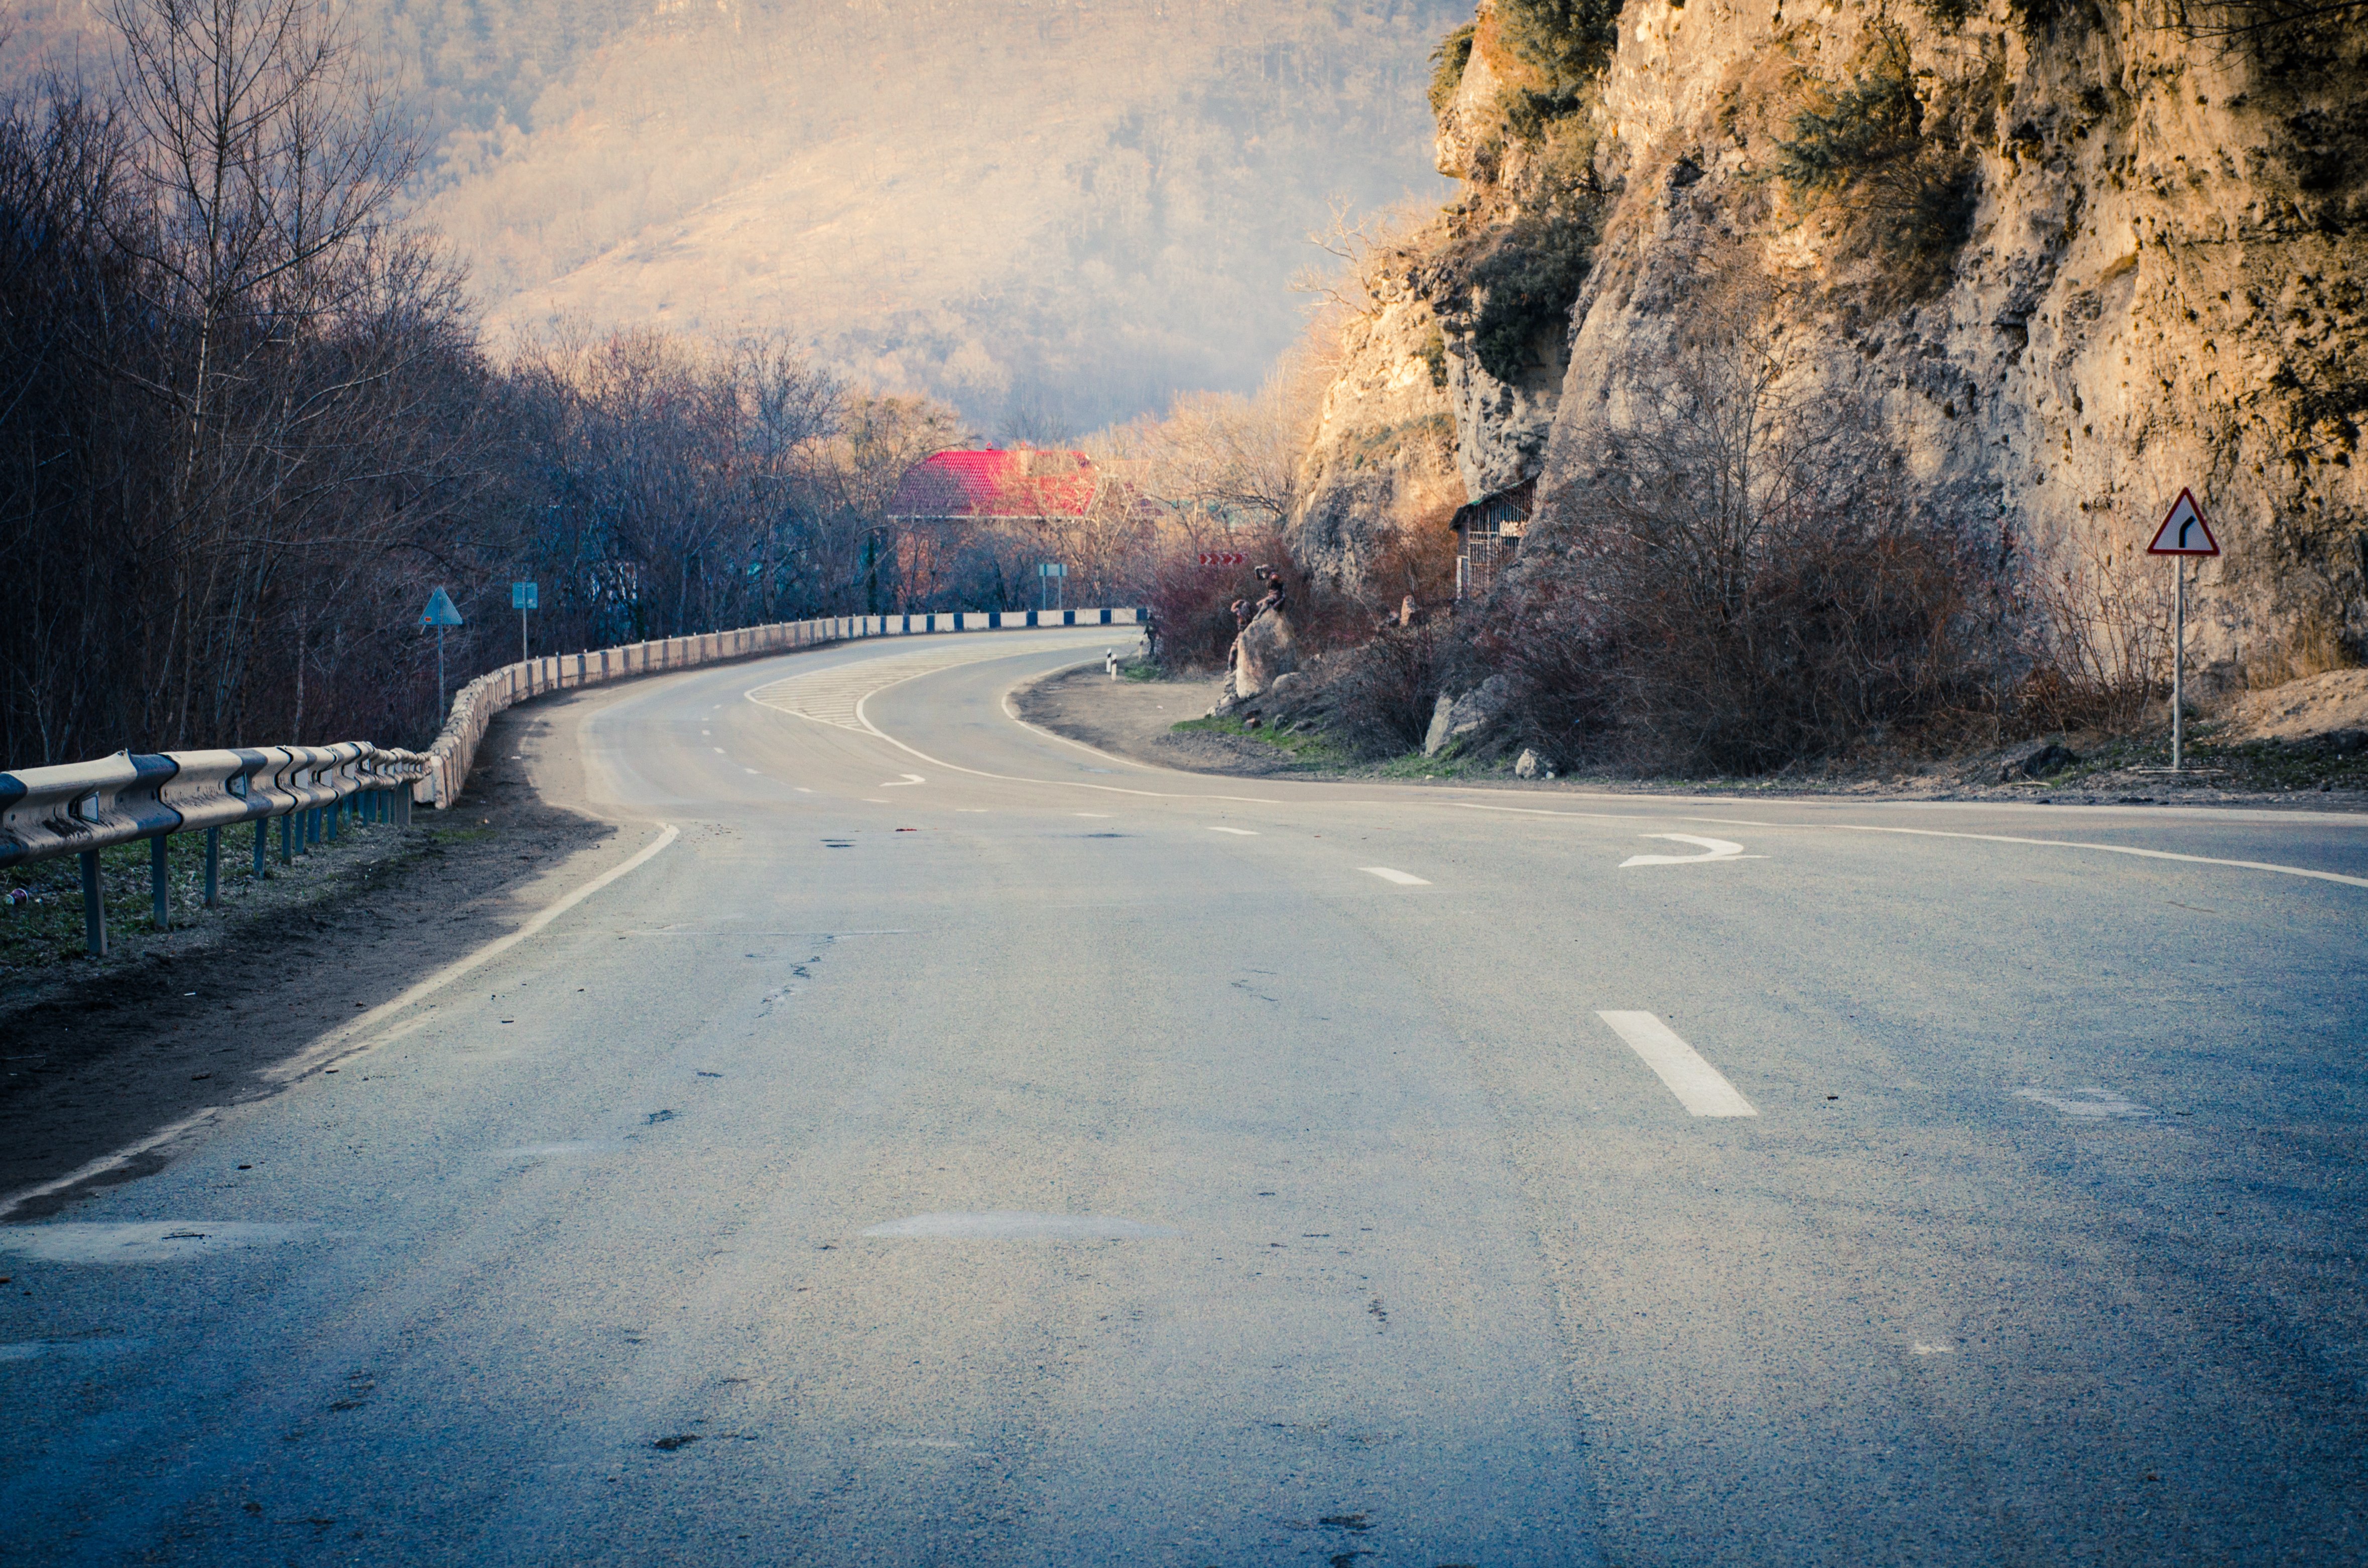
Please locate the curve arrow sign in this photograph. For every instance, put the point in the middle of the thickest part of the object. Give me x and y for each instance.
(1713, 849)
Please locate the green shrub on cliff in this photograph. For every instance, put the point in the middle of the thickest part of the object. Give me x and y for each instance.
(1566, 41)
(1525, 284)
(1869, 145)
(1447, 64)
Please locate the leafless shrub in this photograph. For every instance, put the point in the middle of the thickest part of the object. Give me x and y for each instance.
(2103, 630)
(1381, 693)
(1737, 569)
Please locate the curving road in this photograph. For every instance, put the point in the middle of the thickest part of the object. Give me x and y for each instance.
(943, 1144)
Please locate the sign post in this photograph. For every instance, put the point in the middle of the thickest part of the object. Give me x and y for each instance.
(522, 599)
(440, 614)
(2183, 533)
(1053, 577)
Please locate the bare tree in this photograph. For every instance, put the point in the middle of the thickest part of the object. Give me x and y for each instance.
(271, 160)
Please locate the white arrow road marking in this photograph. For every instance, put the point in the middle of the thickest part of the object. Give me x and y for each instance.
(905, 782)
(1713, 849)
(1237, 832)
(1403, 879)
(1700, 1086)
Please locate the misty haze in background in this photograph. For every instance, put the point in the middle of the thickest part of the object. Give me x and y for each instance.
(1050, 213)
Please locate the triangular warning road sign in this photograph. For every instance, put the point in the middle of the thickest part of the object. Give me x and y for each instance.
(440, 610)
(2184, 532)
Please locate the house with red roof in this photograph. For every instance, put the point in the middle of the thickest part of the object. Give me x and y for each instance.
(1023, 484)
(943, 499)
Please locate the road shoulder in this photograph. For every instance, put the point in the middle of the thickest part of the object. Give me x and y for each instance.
(105, 1063)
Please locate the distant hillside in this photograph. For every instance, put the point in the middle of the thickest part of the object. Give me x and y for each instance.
(1066, 205)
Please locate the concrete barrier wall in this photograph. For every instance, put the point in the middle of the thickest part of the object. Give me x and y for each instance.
(79, 806)
(455, 749)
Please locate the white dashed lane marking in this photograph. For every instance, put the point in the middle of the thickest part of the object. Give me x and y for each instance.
(1700, 1086)
(1403, 879)
(2092, 1102)
(1238, 831)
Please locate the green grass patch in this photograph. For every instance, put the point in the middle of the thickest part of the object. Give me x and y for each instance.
(1308, 746)
(1448, 764)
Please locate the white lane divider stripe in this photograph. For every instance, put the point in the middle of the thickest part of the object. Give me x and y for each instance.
(1403, 879)
(1700, 1086)
(1237, 832)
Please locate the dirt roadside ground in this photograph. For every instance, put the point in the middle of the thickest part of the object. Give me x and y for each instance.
(1132, 718)
(98, 1062)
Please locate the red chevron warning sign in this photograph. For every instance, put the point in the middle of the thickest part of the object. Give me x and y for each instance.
(2184, 532)
(1224, 558)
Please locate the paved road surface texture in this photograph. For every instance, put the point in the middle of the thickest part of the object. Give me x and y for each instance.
(945, 1144)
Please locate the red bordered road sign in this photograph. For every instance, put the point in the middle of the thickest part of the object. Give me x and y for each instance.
(2184, 532)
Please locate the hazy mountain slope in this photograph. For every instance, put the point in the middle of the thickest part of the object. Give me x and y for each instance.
(1080, 205)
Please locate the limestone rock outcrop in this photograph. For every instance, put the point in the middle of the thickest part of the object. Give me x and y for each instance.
(2132, 258)
(1383, 450)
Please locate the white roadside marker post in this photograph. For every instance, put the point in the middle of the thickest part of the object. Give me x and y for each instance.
(2183, 533)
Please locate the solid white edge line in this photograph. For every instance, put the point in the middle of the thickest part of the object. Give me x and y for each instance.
(1598, 816)
(330, 1047)
(870, 728)
(1701, 1088)
(106, 1163)
(1937, 833)
(2111, 849)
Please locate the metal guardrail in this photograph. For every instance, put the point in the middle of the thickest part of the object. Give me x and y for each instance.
(80, 808)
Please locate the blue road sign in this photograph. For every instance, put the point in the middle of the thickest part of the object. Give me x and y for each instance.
(523, 597)
(440, 610)
(1051, 569)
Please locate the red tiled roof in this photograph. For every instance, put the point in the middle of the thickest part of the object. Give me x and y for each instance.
(994, 484)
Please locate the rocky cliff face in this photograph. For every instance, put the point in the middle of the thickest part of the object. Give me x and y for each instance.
(2077, 256)
(1383, 454)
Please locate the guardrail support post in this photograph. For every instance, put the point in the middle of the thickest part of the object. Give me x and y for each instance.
(213, 868)
(160, 887)
(288, 839)
(261, 824)
(329, 826)
(94, 907)
(311, 834)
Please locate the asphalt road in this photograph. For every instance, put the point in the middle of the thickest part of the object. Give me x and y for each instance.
(951, 1145)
